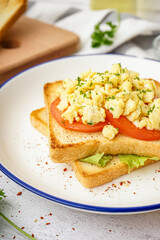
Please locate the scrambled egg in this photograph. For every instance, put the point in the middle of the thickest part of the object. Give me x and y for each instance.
(119, 90)
(109, 131)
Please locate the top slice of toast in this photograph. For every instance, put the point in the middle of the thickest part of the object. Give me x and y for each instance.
(67, 146)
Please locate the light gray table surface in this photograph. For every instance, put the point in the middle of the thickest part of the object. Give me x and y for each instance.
(27, 209)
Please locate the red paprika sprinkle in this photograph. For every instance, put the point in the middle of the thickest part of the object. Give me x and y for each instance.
(41, 217)
(47, 223)
(65, 169)
(19, 193)
(73, 229)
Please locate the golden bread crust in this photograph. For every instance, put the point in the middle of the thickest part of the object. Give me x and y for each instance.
(38, 120)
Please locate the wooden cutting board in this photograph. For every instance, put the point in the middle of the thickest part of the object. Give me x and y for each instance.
(30, 42)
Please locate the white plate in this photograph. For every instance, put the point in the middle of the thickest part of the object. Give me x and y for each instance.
(24, 151)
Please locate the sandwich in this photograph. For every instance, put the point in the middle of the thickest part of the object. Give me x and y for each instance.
(94, 172)
(105, 124)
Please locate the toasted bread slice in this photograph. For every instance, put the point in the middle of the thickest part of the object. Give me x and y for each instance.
(38, 120)
(88, 175)
(68, 146)
(10, 11)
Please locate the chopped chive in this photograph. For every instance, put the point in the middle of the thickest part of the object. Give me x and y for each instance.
(151, 109)
(113, 97)
(90, 123)
(137, 78)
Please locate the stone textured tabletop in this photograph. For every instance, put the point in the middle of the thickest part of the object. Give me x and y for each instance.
(48, 220)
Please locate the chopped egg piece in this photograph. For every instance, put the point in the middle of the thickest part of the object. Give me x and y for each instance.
(130, 106)
(109, 131)
(70, 114)
(93, 115)
(115, 106)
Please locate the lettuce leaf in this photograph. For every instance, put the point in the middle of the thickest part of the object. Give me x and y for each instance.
(131, 160)
(98, 159)
(134, 160)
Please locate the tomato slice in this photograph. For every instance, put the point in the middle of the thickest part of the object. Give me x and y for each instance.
(122, 123)
(75, 126)
(128, 128)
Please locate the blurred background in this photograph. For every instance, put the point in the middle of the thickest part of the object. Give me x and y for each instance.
(137, 34)
(148, 9)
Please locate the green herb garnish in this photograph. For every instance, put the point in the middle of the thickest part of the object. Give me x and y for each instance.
(2, 194)
(79, 80)
(139, 97)
(137, 78)
(90, 123)
(151, 109)
(144, 91)
(111, 108)
(100, 37)
(113, 97)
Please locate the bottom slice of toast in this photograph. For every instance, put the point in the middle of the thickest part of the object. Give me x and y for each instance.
(88, 174)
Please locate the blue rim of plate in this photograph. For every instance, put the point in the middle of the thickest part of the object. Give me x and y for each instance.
(71, 204)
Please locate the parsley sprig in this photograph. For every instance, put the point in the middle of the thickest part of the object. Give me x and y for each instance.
(100, 37)
(2, 195)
